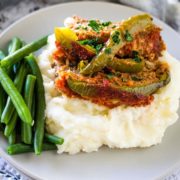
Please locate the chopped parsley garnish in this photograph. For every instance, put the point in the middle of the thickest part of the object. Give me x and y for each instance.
(78, 27)
(136, 56)
(108, 51)
(137, 59)
(106, 23)
(98, 47)
(115, 37)
(128, 36)
(95, 25)
(81, 27)
(93, 43)
(87, 42)
(85, 28)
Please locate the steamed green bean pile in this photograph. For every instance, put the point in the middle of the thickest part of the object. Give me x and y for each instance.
(22, 100)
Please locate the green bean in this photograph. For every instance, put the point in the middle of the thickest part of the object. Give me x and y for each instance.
(12, 138)
(33, 109)
(7, 112)
(15, 96)
(2, 93)
(26, 130)
(22, 148)
(40, 104)
(11, 125)
(17, 56)
(14, 45)
(54, 139)
(18, 82)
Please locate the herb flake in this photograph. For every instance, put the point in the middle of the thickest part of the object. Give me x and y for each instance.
(106, 23)
(136, 56)
(78, 27)
(85, 28)
(128, 36)
(98, 47)
(115, 37)
(94, 43)
(95, 25)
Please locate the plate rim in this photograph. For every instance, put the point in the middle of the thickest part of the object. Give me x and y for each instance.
(16, 165)
(7, 157)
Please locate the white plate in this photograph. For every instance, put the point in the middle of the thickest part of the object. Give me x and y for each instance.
(138, 164)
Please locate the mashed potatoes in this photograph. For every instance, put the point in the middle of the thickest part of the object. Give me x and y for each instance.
(86, 126)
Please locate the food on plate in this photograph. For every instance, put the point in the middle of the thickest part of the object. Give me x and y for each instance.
(109, 84)
(23, 148)
(26, 129)
(23, 100)
(95, 83)
(88, 74)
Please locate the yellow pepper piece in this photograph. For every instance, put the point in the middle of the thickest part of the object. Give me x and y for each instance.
(65, 36)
